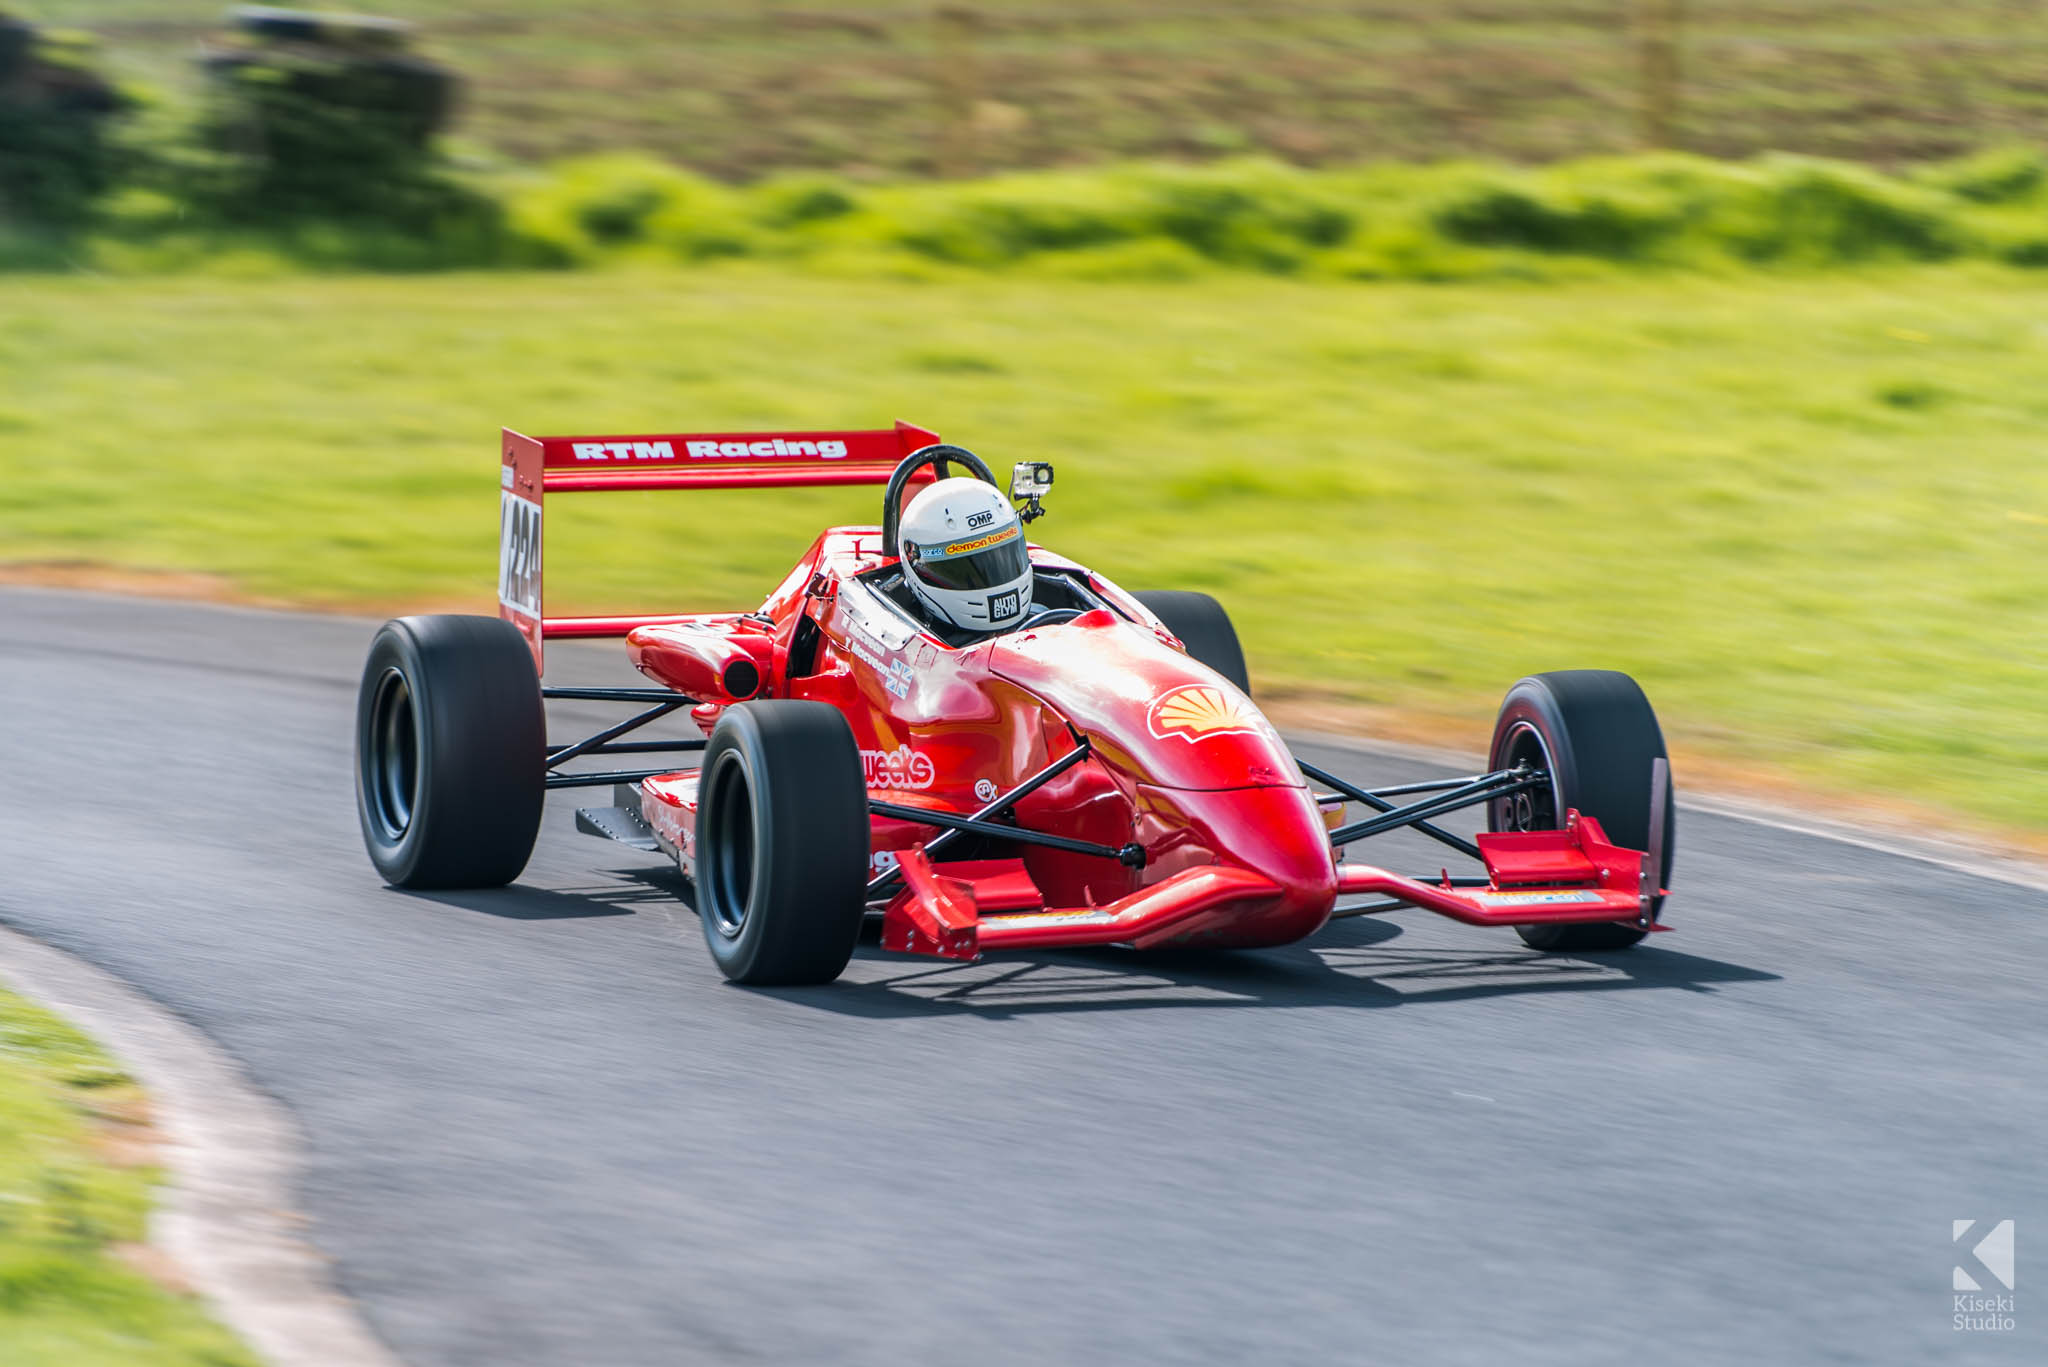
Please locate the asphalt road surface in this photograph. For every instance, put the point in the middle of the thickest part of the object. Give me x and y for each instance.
(543, 1131)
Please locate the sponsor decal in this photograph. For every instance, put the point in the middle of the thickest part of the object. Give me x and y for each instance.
(896, 675)
(881, 861)
(1002, 605)
(504, 476)
(976, 521)
(985, 791)
(1537, 899)
(519, 553)
(770, 448)
(979, 543)
(1194, 711)
(865, 649)
(902, 767)
(1033, 919)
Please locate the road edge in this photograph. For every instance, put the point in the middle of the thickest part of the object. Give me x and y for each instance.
(1960, 856)
(231, 1155)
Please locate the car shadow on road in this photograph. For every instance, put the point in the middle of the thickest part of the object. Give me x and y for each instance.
(622, 894)
(1351, 964)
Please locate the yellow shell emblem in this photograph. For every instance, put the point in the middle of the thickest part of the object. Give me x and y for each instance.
(1196, 710)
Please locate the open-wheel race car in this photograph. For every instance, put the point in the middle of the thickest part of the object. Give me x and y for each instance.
(989, 747)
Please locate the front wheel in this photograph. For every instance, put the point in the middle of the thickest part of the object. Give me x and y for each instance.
(1593, 732)
(1204, 628)
(782, 843)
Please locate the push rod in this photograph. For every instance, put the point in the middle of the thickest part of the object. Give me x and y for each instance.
(1380, 804)
(881, 882)
(1414, 814)
(655, 713)
(1133, 855)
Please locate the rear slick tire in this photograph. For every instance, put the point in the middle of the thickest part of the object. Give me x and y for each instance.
(1594, 733)
(782, 843)
(451, 752)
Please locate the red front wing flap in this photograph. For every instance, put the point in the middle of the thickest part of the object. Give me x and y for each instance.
(1569, 877)
(963, 917)
(963, 910)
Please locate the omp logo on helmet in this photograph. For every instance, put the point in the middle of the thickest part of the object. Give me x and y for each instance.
(1193, 711)
(767, 449)
(975, 521)
(898, 768)
(980, 543)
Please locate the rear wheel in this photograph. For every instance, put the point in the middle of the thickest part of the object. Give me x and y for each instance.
(782, 843)
(1593, 732)
(451, 752)
(1204, 628)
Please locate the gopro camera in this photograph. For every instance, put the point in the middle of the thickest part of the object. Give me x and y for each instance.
(1029, 480)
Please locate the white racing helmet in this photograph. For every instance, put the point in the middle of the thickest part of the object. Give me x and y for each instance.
(963, 555)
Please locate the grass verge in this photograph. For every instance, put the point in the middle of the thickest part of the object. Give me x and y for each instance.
(1809, 512)
(76, 1283)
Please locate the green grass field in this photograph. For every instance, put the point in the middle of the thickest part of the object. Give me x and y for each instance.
(870, 87)
(1811, 513)
(71, 1196)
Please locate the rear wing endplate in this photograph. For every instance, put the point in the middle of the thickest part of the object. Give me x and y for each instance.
(536, 466)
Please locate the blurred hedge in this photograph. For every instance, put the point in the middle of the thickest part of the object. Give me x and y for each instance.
(1439, 222)
(1431, 222)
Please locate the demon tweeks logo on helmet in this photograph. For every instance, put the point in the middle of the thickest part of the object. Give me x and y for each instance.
(970, 547)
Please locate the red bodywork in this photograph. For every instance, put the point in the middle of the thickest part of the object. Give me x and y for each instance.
(1181, 763)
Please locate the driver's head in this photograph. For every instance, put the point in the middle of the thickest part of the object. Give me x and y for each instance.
(963, 555)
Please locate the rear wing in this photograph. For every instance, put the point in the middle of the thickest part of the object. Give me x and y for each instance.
(536, 466)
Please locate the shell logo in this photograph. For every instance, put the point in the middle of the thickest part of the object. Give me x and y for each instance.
(1193, 711)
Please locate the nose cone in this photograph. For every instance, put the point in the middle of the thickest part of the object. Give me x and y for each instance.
(1276, 833)
(1148, 710)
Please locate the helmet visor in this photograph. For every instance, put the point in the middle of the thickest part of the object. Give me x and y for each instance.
(973, 562)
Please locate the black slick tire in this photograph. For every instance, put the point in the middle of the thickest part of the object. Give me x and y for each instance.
(451, 752)
(1204, 628)
(782, 843)
(1594, 732)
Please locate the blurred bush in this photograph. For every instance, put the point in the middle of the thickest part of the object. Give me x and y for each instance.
(57, 154)
(322, 128)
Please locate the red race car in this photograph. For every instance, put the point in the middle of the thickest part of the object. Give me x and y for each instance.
(986, 745)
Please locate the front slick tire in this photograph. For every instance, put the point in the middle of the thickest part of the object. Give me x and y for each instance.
(782, 843)
(1204, 628)
(1594, 732)
(451, 752)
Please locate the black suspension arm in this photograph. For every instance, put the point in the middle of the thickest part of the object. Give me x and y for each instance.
(563, 753)
(649, 695)
(881, 882)
(1380, 804)
(1481, 790)
(1133, 855)
(604, 780)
